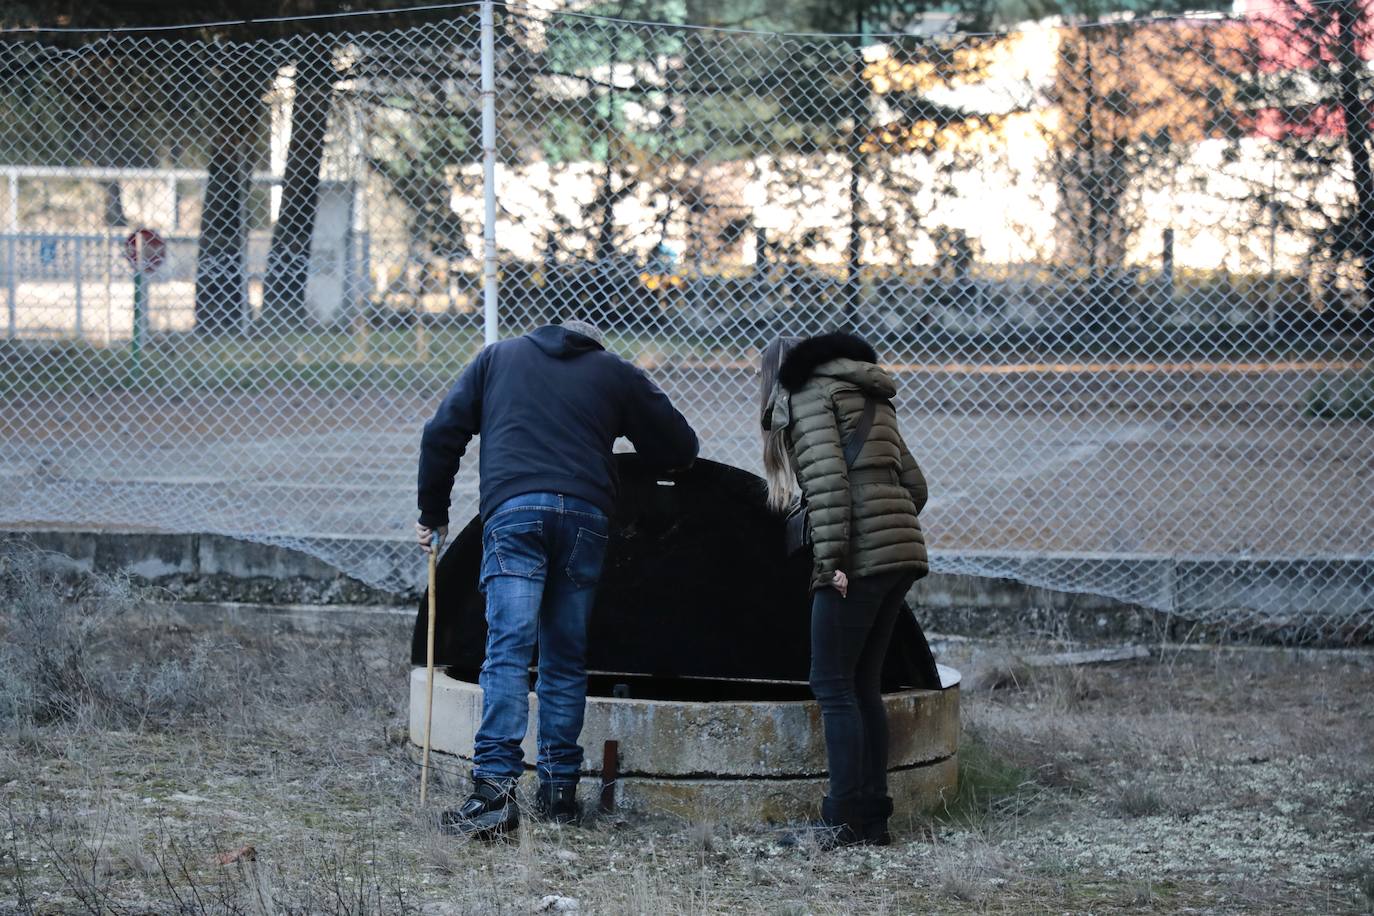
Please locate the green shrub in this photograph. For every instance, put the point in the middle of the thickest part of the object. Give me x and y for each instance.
(991, 788)
(1351, 399)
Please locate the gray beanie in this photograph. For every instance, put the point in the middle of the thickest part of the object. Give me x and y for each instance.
(586, 329)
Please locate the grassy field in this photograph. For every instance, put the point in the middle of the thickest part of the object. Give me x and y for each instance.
(368, 358)
(150, 768)
(407, 358)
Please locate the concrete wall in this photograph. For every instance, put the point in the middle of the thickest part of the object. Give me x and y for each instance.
(1265, 598)
(1171, 594)
(205, 567)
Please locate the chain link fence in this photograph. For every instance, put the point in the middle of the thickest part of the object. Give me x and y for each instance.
(1120, 270)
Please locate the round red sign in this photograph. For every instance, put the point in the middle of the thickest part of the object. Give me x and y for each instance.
(145, 251)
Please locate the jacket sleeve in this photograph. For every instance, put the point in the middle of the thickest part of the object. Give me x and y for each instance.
(446, 438)
(911, 477)
(824, 481)
(659, 432)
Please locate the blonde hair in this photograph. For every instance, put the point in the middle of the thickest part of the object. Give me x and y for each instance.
(777, 457)
(777, 469)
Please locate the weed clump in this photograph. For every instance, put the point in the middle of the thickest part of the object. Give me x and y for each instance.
(52, 626)
(84, 650)
(992, 790)
(1140, 800)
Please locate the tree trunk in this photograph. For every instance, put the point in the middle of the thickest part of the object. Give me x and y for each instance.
(605, 201)
(1355, 112)
(114, 205)
(221, 258)
(858, 132)
(288, 258)
(1090, 189)
(853, 285)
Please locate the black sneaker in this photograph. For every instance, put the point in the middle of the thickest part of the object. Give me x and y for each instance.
(489, 812)
(557, 803)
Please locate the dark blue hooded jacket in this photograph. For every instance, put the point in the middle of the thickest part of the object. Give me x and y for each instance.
(548, 407)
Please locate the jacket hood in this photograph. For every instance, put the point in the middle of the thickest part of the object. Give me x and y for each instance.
(837, 355)
(560, 343)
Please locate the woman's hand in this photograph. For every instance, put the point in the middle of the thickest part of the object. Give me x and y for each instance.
(840, 582)
(426, 536)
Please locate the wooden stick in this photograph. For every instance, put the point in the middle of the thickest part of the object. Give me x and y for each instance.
(1087, 657)
(429, 668)
(610, 772)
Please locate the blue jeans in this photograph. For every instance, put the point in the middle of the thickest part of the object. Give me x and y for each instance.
(541, 561)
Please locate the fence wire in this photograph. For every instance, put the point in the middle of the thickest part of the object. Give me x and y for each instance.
(1119, 270)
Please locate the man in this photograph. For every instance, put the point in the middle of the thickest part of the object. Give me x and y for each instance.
(549, 407)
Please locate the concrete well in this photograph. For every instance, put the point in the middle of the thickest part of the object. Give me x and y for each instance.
(746, 751)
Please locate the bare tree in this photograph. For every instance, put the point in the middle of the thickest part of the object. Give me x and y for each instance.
(1131, 101)
(1309, 95)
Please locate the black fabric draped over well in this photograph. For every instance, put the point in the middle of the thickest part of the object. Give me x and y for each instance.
(696, 585)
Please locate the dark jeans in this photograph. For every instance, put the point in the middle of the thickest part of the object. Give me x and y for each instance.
(541, 561)
(849, 639)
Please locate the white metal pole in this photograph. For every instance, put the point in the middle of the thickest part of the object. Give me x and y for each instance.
(11, 261)
(14, 201)
(489, 172)
(77, 268)
(11, 265)
(108, 261)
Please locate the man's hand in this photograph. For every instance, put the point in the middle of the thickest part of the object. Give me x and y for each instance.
(840, 582)
(426, 537)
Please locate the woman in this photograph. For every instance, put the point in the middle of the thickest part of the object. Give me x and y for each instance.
(867, 550)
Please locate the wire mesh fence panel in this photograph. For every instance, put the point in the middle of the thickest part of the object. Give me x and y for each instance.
(1118, 269)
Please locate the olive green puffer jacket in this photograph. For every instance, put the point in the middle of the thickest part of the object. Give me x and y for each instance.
(863, 519)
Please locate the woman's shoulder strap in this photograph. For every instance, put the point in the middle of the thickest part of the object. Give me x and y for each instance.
(860, 434)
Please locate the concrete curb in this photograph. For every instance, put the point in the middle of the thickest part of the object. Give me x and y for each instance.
(742, 802)
(762, 760)
(744, 739)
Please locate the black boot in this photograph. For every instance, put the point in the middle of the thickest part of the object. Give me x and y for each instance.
(557, 803)
(489, 812)
(839, 826)
(844, 823)
(876, 812)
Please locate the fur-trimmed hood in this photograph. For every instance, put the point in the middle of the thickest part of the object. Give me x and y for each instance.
(837, 355)
(802, 360)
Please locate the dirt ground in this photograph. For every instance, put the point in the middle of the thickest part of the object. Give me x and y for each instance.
(141, 760)
(1138, 460)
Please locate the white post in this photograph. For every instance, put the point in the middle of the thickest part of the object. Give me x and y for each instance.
(77, 267)
(11, 265)
(489, 172)
(14, 201)
(11, 261)
(106, 251)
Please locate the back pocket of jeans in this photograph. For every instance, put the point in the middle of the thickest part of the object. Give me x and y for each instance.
(587, 557)
(516, 549)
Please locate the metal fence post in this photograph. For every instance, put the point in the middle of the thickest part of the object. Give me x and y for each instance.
(140, 323)
(489, 290)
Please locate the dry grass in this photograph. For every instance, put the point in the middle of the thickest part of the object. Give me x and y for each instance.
(162, 752)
